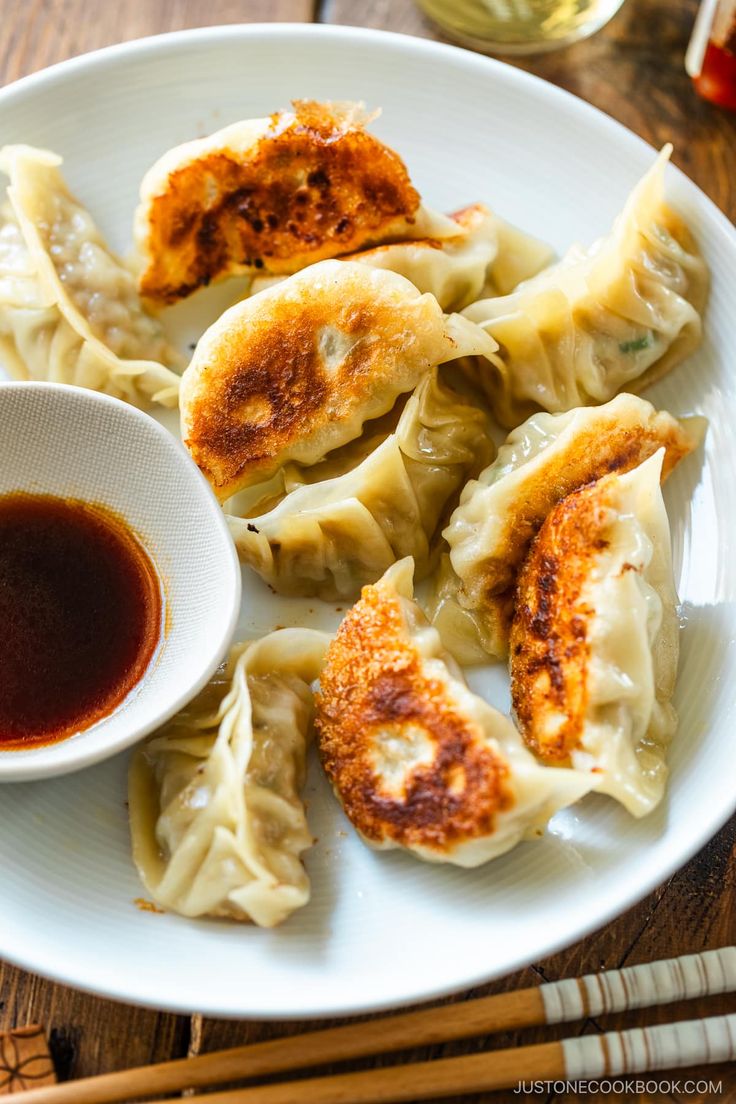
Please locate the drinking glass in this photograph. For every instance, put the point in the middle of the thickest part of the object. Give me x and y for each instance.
(519, 26)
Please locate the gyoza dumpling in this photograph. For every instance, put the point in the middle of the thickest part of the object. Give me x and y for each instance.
(275, 195)
(295, 371)
(540, 463)
(416, 759)
(69, 309)
(615, 317)
(217, 823)
(594, 641)
(332, 527)
(485, 256)
(480, 260)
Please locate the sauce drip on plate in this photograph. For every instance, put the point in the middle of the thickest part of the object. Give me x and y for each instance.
(80, 616)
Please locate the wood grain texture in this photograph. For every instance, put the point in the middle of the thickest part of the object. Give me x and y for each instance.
(633, 70)
(85, 1034)
(38, 33)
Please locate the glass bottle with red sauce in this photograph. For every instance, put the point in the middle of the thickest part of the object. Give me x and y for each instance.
(711, 55)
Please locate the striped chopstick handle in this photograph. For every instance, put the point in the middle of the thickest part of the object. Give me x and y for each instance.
(671, 979)
(645, 1049)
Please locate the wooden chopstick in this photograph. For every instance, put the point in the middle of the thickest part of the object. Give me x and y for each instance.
(555, 1002)
(583, 1058)
(587, 1058)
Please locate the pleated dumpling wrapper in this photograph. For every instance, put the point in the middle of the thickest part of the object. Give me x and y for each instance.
(296, 370)
(328, 529)
(274, 195)
(217, 823)
(594, 640)
(540, 463)
(416, 759)
(614, 317)
(69, 308)
(486, 256)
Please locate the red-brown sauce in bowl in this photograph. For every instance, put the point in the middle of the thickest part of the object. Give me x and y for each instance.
(80, 616)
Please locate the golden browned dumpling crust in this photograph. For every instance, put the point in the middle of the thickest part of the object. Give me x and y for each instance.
(608, 448)
(408, 766)
(549, 634)
(594, 640)
(295, 371)
(616, 450)
(316, 184)
(491, 530)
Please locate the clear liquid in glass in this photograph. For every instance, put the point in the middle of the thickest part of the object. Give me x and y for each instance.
(519, 26)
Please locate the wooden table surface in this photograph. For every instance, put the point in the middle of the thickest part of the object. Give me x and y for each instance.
(633, 70)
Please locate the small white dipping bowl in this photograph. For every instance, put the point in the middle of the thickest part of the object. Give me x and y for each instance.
(74, 443)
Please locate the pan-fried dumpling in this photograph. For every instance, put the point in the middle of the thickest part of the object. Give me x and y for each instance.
(418, 761)
(616, 317)
(594, 641)
(274, 195)
(336, 525)
(217, 823)
(540, 463)
(295, 371)
(69, 309)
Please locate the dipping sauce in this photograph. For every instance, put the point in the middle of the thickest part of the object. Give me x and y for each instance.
(80, 616)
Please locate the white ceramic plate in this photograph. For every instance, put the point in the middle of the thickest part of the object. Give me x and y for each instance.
(381, 929)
